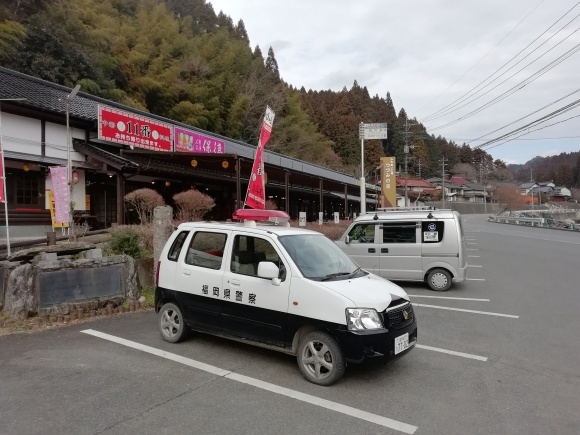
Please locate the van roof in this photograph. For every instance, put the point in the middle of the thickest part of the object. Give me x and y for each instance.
(406, 214)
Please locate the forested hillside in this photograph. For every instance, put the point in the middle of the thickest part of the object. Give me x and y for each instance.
(179, 59)
(563, 169)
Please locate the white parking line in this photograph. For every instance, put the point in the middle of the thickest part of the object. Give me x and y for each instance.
(473, 256)
(474, 279)
(448, 297)
(472, 249)
(452, 352)
(323, 403)
(487, 313)
(470, 243)
(473, 265)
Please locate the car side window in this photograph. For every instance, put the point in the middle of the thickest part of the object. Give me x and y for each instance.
(399, 232)
(175, 249)
(432, 232)
(249, 251)
(206, 250)
(362, 233)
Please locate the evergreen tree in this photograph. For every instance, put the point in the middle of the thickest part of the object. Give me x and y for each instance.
(240, 31)
(272, 64)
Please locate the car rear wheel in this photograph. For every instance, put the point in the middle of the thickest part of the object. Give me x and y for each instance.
(320, 359)
(439, 280)
(171, 324)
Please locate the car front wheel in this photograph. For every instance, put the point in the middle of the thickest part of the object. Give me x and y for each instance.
(171, 323)
(320, 358)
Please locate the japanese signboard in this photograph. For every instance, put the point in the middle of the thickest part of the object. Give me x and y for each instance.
(190, 142)
(372, 131)
(134, 130)
(256, 196)
(61, 192)
(388, 182)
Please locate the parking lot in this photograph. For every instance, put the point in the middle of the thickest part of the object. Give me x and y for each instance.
(496, 354)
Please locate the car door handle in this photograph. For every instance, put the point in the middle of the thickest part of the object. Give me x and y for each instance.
(384, 250)
(372, 250)
(235, 282)
(187, 272)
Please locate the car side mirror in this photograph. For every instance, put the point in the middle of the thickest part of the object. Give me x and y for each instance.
(347, 239)
(268, 270)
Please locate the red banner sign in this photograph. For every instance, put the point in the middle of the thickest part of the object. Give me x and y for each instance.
(2, 195)
(58, 175)
(256, 196)
(128, 128)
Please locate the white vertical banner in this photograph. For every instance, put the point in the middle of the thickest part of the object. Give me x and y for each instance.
(302, 219)
(320, 218)
(336, 217)
(58, 175)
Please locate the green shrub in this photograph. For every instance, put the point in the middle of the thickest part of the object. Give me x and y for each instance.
(128, 242)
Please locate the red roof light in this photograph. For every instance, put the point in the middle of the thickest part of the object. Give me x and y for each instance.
(244, 214)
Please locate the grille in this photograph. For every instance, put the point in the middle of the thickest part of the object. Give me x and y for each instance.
(395, 318)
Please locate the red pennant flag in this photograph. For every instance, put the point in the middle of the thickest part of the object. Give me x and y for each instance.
(256, 196)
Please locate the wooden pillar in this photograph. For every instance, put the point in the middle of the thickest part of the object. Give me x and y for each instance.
(238, 182)
(346, 215)
(321, 196)
(120, 198)
(287, 191)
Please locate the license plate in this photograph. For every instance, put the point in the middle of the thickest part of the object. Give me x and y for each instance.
(401, 343)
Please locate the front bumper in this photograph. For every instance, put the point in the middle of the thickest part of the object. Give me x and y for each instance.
(357, 346)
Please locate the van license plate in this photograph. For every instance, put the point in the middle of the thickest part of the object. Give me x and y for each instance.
(401, 343)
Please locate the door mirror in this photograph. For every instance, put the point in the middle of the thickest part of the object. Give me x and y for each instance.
(347, 239)
(268, 270)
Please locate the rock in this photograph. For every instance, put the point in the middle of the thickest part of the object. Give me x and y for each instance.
(142, 299)
(62, 249)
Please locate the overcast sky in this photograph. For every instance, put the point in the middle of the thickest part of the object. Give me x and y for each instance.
(431, 55)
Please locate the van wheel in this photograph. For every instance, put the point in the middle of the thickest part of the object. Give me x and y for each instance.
(320, 358)
(171, 323)
(439, 280)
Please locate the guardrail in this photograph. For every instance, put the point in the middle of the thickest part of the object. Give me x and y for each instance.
(535, 222)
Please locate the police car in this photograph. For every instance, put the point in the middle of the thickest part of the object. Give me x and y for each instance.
(287, 289)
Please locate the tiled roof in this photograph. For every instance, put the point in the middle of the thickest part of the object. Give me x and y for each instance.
(415, 182)
(49, 96)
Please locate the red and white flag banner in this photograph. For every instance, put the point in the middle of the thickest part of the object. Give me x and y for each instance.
(256, 196)
(2, 193)
(58, 175)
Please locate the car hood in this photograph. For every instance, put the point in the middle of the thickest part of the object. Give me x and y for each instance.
(369, 291)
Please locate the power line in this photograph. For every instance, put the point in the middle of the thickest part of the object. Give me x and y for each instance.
(464, 96)
(483, 57)
(515, 88)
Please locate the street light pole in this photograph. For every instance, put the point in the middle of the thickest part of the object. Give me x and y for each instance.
(69, 97)
(363, 193)
(4, 175)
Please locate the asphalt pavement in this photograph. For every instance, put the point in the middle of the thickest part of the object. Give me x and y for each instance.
(497, 354)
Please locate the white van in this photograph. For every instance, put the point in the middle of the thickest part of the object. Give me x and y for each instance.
(287, 289)
(415, 244)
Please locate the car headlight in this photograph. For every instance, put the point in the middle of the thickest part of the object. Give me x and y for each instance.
(361, 319)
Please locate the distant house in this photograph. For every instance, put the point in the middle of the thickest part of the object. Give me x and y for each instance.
(561, 194)
(458, 180)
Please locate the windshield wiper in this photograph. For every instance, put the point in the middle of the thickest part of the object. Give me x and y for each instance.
(334, 275)
(357, 270)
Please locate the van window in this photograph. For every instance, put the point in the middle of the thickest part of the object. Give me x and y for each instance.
(249, 251)
(432, 232)
(399, 232)
(362, 233)
(173, 254)
(206, 250)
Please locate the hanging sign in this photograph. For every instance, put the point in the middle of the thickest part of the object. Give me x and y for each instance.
(60, 190)
(134, 130)
(256, 196)
(187, 141)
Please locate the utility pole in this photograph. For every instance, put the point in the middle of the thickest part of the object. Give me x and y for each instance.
(443, 161)
(482, 181)
(532, 186)
(419, 168)
(406, 150)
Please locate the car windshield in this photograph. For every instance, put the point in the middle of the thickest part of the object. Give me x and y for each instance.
(319, 258)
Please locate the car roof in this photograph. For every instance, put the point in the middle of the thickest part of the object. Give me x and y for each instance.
(405, 214)
(251, 226)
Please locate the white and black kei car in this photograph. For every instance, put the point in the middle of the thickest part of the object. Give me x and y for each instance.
(287, 289)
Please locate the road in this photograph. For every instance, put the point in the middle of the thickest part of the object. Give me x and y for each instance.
(497, 354)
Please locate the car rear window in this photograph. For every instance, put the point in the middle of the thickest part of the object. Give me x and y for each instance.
(173, 254)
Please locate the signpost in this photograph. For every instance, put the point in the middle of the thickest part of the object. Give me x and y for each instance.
(368, 132)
